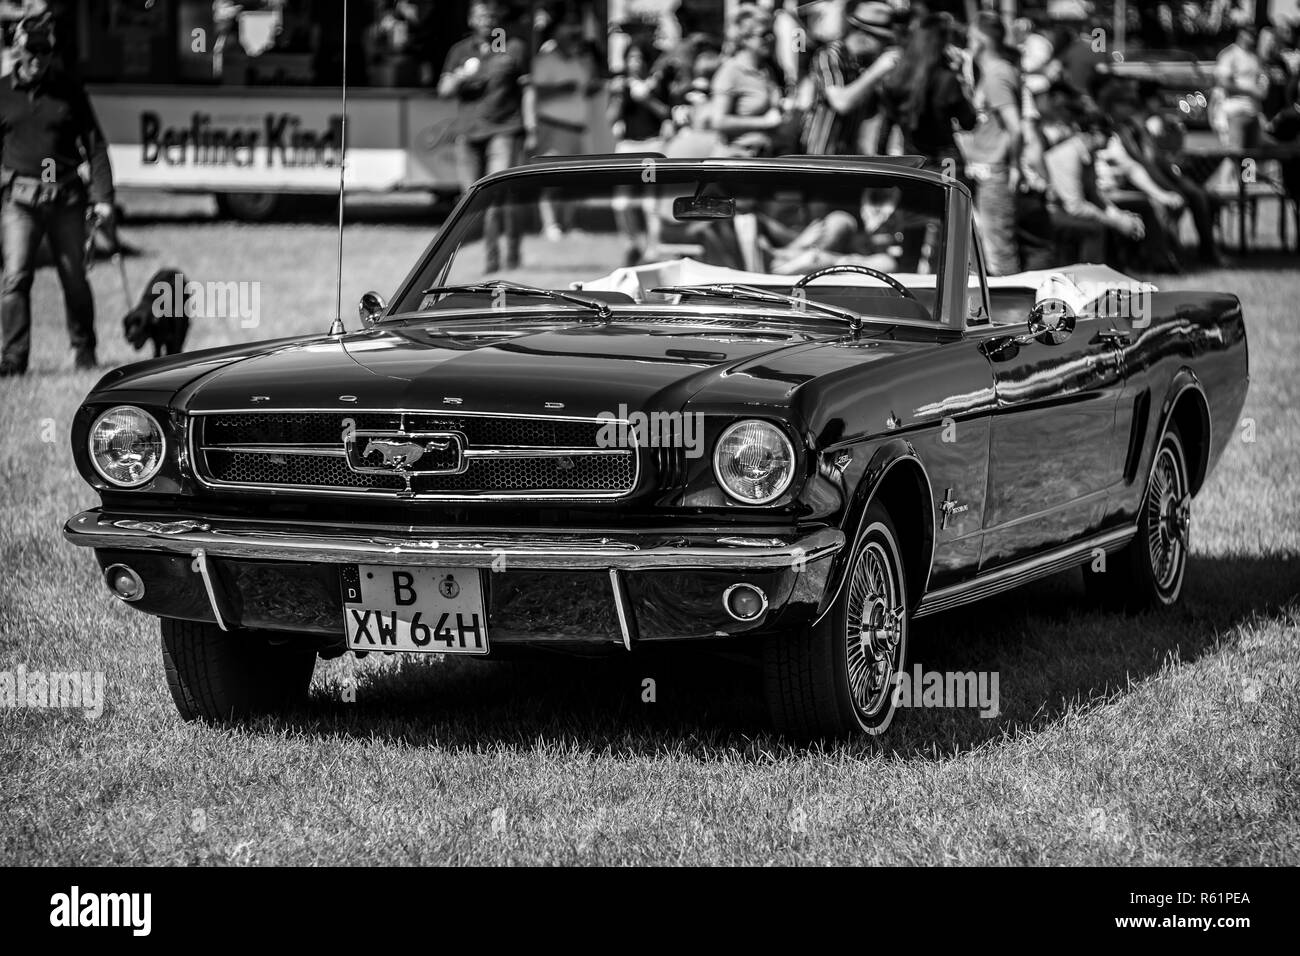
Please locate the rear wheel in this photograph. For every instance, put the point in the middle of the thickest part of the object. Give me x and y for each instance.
(249, 207)
(837, 678)
(220, 675)
(1148, 572)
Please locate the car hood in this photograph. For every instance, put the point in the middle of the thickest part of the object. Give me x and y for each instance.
(582, 369)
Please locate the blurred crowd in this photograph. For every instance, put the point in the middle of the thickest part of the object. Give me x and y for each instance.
(1067, 161)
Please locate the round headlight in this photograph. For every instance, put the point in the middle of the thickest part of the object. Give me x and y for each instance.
(126, 446)
(754, 462)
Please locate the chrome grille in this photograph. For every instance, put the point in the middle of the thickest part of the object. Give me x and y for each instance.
(310, 428)
(503, 457)
(317, 471)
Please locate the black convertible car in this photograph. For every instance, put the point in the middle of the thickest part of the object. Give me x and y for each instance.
(805, 420)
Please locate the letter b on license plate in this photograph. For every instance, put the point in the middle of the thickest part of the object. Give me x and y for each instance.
(415, 610)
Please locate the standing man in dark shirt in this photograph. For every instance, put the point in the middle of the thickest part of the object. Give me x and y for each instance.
(487, 72)
(47, 129)
(845, 73)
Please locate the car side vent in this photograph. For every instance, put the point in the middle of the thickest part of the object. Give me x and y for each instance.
(1137, 433)
(670, 462)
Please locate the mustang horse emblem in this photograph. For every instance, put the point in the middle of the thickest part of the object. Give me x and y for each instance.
(403, 454)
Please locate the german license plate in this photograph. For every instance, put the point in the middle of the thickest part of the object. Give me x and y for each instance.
(414, 610)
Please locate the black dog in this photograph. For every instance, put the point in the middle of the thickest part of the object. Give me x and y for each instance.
(160, 315)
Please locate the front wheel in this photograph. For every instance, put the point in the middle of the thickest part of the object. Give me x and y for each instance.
(837, 678)
(1148, 572)
(218, 675)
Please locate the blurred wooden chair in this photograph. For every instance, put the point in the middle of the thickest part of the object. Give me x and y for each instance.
(1267, 186)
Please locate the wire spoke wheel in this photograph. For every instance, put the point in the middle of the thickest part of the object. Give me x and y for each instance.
(873, 633)
(1168, 518)
(835, 678)
(1148, 572)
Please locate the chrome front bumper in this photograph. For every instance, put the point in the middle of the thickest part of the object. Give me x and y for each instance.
(619, 555)
(403, 545)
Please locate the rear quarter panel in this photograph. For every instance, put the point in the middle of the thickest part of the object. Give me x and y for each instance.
(1187, 339)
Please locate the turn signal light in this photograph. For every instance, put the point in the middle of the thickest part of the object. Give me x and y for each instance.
(124, 582)
(744, 602)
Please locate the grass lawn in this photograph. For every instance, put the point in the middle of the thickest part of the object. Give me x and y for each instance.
(1166, 739)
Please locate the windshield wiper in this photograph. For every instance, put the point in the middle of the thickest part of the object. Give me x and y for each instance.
(732, 290)
(601, 308)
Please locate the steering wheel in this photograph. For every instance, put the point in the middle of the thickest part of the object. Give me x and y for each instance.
(884, 277)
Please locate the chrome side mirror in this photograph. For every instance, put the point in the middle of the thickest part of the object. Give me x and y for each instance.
(371, 307)
(1051, 321)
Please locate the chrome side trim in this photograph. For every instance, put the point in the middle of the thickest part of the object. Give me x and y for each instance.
(319, 451)
(502, 451)
(623, 606)
(445, 547)
(529, 451)
(388, 410)
(1022, 572)
(397, 495)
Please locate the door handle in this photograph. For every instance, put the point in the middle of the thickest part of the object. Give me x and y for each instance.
(1116, 337)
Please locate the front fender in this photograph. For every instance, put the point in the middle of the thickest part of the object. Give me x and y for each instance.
(880, 473)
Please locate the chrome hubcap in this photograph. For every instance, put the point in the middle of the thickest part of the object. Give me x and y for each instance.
(875, 629)
(1169, 519)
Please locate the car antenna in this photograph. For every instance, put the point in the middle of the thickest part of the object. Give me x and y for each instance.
(336, 327)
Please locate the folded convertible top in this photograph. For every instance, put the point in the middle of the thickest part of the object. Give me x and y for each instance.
(1077, 284)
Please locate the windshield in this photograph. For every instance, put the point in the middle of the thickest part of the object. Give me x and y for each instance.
(640, 234)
